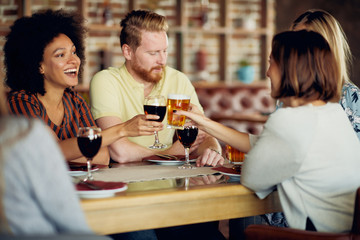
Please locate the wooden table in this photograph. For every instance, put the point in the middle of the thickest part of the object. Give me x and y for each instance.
(139, 210)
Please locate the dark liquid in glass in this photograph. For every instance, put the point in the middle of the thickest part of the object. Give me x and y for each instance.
(187, 136)
(89, 148)
(156, 110)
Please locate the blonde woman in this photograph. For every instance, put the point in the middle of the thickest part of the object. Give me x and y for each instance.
(324, 23)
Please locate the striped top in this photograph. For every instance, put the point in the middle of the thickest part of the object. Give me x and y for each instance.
(77, 112)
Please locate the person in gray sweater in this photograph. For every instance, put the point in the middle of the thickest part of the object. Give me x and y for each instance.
(37, 197)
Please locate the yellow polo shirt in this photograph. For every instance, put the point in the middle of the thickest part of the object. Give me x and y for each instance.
(114, 92)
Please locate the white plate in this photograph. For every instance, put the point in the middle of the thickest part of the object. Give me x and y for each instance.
(100, 193)
(231, 174)
(81, 172)
(169, 162)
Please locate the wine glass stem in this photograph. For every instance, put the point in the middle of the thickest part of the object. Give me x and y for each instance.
(156, 138)
(89, 175)
(187, 183)
(187, 161)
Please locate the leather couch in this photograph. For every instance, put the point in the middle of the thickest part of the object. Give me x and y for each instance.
(240, 106)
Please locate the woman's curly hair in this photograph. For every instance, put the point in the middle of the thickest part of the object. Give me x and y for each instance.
(27, 40)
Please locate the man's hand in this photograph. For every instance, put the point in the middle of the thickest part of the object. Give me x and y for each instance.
(210, 157)
(140, 125)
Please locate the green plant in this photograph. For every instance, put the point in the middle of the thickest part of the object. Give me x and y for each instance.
(244, 63)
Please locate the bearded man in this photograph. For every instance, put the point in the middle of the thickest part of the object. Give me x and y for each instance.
(117, 93)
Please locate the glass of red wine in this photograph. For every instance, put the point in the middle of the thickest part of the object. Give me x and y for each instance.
(187, 137)
(89, 142)
(156, 105)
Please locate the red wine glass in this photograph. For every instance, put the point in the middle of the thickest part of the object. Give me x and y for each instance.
(89, 142)
(156, 105)
(187, 137)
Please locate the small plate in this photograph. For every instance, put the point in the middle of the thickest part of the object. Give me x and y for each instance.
(170, 162)
(230, 174)
(228, 171)
(90, 194)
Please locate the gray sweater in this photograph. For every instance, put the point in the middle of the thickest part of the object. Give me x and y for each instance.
(39, 197)
(312, 155)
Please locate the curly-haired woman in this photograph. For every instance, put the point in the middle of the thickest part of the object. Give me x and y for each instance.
(44, 55)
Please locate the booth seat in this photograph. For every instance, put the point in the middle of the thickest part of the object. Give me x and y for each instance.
(239, 106)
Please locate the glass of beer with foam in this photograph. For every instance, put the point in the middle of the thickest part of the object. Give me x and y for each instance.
(177, 102)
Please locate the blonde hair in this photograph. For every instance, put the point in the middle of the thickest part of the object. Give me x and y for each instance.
(324, 23)
(137, 21)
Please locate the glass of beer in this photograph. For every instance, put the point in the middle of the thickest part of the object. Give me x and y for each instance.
(177, 102)
(234, 155)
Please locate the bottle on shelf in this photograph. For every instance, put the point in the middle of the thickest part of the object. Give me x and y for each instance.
(201, 64)
(107, 14)
(204, 17)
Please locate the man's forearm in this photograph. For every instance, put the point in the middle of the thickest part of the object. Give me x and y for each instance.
(124, 151)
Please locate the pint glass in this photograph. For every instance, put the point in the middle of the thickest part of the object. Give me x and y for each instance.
(234, 156)
(177, 102)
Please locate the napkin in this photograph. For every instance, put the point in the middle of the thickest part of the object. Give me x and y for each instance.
(226, 170)
(180, 157)
(102, 184)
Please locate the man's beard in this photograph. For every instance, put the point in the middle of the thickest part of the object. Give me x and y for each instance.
(148, 76)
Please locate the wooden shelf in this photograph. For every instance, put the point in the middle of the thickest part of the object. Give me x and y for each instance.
(218, 30)
(234, 83)
(187, 36)
(188, 30)
(5, 26)
(103, 27)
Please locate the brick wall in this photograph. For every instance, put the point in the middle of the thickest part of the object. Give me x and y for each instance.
(240, 47)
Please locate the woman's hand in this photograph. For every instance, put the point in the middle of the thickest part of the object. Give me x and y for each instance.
(194, 114)
(141, 125)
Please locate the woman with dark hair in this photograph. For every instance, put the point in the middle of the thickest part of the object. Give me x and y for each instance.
(322, 22)
(44, 55)
(308, 149)
(25, 47)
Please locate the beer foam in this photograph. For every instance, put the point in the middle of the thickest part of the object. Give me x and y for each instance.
(178, 96)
